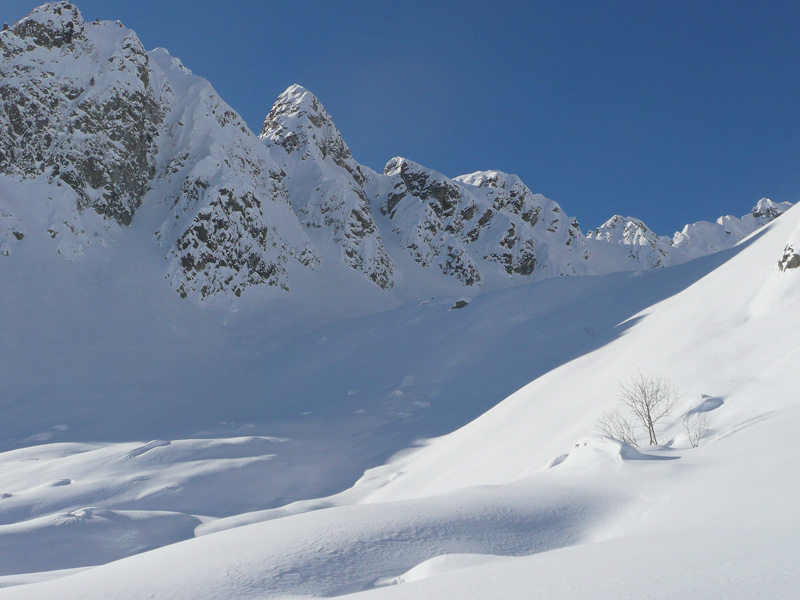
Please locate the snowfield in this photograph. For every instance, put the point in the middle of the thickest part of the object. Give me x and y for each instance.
(525, 500)
(280, 374)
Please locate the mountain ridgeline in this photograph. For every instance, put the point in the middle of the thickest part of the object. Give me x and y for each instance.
(99, 138)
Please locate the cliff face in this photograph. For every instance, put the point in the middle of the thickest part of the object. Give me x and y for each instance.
(78, 107)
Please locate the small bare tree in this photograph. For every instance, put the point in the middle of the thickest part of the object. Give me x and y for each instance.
(618, 426)
(645, 402)
(696, 426)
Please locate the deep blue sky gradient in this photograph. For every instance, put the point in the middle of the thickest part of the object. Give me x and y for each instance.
(669, 111)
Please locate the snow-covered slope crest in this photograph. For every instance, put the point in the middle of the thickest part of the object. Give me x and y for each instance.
(701, 238)
(326, 183)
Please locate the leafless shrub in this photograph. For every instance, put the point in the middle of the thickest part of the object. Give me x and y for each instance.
(696, 426)
(644, 403)
(616, 425)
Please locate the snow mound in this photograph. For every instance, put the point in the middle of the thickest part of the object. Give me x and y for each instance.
(438, 565)
(595, 450)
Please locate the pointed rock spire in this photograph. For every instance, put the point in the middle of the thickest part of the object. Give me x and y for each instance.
(299, 122)
(51, 25)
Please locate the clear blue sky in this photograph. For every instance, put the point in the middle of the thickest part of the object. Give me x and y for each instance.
(666, 110)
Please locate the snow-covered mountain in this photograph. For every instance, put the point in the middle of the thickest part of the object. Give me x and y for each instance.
(628, 241)
(408, 406)
(327, 185)
(111, 129)
(106, 139)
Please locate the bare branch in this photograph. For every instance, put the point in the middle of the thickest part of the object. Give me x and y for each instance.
(646, 401)
(696, 426)
(615, 425)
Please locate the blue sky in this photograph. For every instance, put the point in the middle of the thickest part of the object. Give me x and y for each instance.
(669, 111)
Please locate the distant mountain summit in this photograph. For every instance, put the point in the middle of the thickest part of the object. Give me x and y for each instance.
(628, 241)
(99, 139)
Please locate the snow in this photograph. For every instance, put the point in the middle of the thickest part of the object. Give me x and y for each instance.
(423, 439)
(486, 507)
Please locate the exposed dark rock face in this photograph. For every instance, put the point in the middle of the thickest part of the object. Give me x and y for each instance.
(12, 231)
(91, 124)
(790, 259)
(766, 210)
(466, 224)
(299, 122)
(430, 214)
(229, 226)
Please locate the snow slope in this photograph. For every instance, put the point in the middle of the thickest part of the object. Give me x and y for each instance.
(379, 384)
(521, 495)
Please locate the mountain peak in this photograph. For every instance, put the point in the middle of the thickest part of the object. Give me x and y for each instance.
(300, 96)
(400, 165)
(296, 107)
(492, 178)
(767, 210)
(56, 12)
(299, 122)
(53, 24)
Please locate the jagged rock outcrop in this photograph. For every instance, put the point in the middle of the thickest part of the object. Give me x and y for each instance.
(540, 238)
(229, 225)
(487, 217)
(77, 106)
(12, 230)
(429, 214)
(109, 127)
(790, 259)
(631, 237)
(327, 184)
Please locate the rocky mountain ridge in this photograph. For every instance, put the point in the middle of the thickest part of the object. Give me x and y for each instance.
(629, 239)
(100, 132)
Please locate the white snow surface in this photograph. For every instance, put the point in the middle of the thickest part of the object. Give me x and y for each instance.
(524, 495)
(382, 429)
